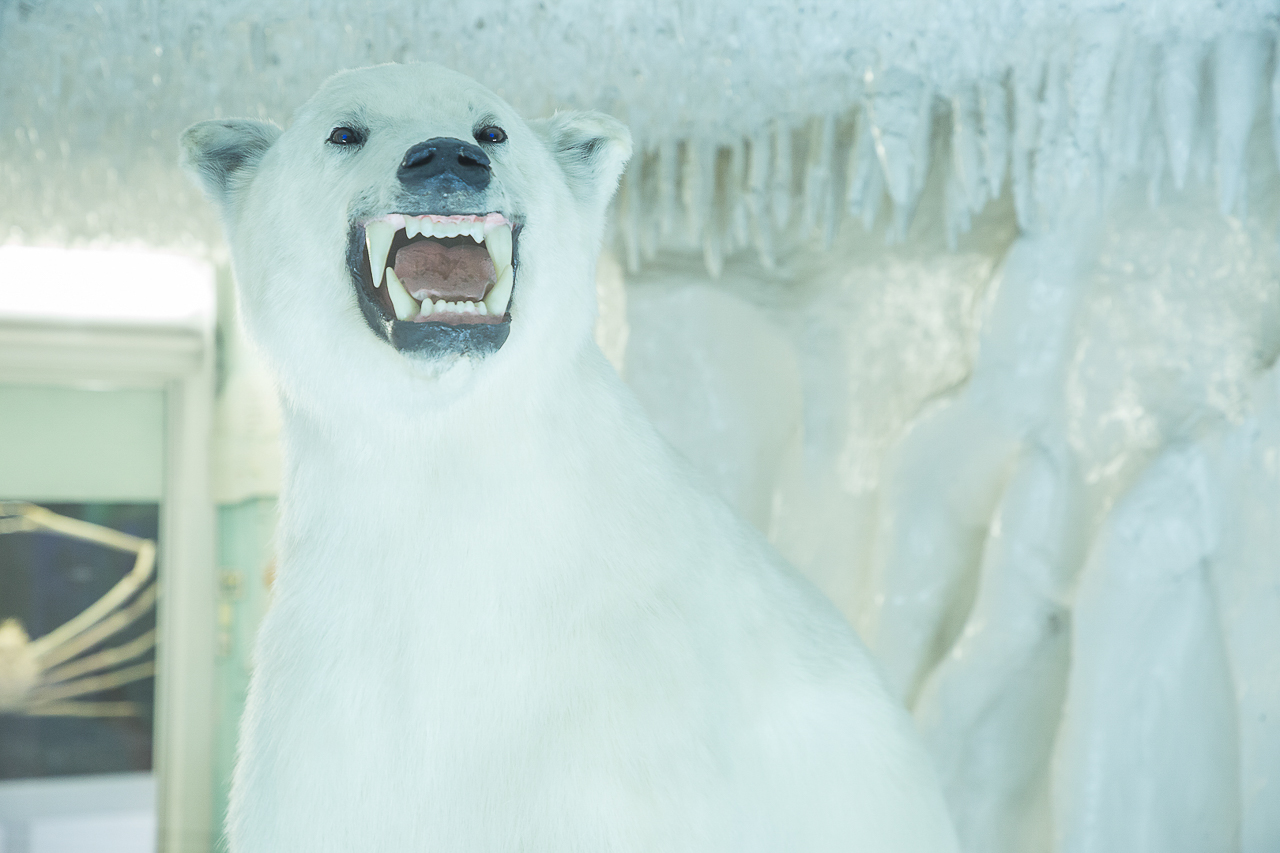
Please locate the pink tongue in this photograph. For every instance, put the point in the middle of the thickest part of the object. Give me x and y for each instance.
(458, 273)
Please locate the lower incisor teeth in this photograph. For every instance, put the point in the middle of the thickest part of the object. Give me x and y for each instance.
(406, 306)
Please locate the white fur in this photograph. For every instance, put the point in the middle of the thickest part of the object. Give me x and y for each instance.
(506, 616)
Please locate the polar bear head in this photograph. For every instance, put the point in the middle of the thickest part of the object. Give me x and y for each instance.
(409, 234)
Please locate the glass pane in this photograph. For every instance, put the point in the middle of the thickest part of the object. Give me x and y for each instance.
(90, 706)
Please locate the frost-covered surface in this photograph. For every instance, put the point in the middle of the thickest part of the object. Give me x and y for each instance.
(750, 117)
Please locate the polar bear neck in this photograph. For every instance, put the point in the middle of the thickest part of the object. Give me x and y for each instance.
(483, 486)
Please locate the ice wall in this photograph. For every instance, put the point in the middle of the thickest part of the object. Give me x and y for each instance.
(1058, 555)
(1039, 473)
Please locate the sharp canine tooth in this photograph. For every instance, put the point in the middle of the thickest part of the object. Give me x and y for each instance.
(406, 306)
(499, 245)
(377, 238)
(496, 301)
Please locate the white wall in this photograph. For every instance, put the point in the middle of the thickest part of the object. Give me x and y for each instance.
(63, 444)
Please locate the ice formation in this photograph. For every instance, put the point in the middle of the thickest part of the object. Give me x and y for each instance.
(749, 117)
(974, 307)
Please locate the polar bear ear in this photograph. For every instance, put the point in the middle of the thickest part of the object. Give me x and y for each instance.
(222, 155)
(592, 150)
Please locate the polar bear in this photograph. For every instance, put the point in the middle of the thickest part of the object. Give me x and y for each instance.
(506, 616)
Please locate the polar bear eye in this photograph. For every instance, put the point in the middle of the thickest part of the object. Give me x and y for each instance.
(346, 136)
(491, 134)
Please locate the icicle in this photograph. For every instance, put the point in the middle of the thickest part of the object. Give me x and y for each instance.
(667, 175)
(993, 100)
(1091, 69)
(966, 156)
(811, 176)
(817, 173)
(651, 212)
(833, 209)
(1156, 161)
(899, 222)
(713, 252)
(698, 186)
(1027, 83)
(956, 207)
(782, 173)
(712, 255)
(717, 222)
(900, 107)
(874, 200)
(866, 179)
(1202, 147)
(861, 165)
(1240, 61)
(1130, 111)
(737, 191)
(1179, 90)
(922, 146)
(1052, 158)
(1275, 111)
(630, 207)
(757, 197)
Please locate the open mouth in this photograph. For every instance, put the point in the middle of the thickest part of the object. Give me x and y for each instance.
(436, 282)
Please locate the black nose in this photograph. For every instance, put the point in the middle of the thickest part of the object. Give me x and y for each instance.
(444, 160)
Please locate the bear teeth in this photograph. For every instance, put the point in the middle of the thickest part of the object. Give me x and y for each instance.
(500, 295)
(493, 230)
(377, 239)
(406, 306)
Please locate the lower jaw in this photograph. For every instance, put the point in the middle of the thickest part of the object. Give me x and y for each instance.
(425, 338)
(434, 339)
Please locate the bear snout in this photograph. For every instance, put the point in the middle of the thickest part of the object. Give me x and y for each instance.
(444, 164)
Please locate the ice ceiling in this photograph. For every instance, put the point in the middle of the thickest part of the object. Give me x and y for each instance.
(988, 344)
(733, 104)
